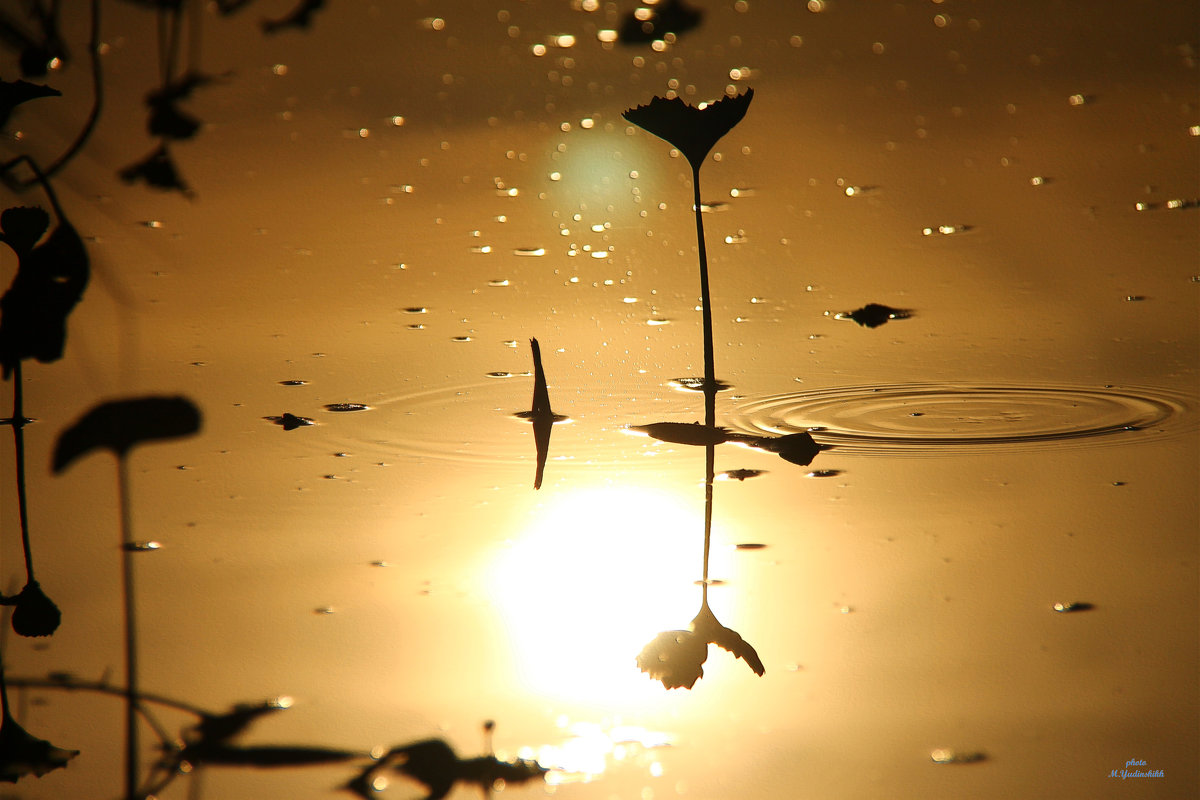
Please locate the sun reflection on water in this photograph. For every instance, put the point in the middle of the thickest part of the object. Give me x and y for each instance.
(597, 573)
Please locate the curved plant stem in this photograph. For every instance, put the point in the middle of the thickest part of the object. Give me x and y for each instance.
(18, 425)
(131, 671)
(710, 380)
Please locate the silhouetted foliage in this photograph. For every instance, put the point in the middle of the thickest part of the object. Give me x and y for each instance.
(50, 280)
(650, 24)
(13, 93)
(300, 17)
(120, 424)
(690, 433)
(797, 448)
(34, 614)
(434, 763)
(676, 658)
(289, 422)
(872, 315)
(38, 47)
(692, 131)
(742, 474)
(540, 415)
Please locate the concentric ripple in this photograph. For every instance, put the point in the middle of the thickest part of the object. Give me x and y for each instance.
(947, 419)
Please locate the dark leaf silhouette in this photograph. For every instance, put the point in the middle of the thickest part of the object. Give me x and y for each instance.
(217, 729)
(540, 415)
(742, 474)
(676, 658)
(34, 614)
(434, 763)
(649, 24)
(300, 17)
(157, 170)
(22, 754)
(38, 48)
(170, 122)
(872, 315)
(50, 280)
(119, 425)
(692, 131)
(797, 448)
(289, 422)
(692, 433)
(13, 93)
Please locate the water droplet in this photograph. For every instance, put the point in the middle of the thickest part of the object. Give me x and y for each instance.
(141, 547)
(486, 248)
(461, 339)
(824, 473)
(945, 755)
(658, 321)
(498, 282)
(416, 326)
(416, 310)
(946, 230)
(1067, 608)
(499, 374)
(529, 252)
(1079, 99)
(738, 238)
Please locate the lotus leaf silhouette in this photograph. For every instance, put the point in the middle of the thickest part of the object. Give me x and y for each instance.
(677, 657)
(23, 754)
(692, 131)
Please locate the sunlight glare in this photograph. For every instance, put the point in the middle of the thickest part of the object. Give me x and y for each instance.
(596, 575)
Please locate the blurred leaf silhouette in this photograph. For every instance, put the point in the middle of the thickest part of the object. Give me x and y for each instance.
(34, 613)
(50, 280)
(299, 17)
(120, 424)
(23, 754)
(157, 170)
(676, 658)
(798, 448)
(289, 422)
(434, 763)
(872, 315)
(692, 131)
(39, 47)
(13, 93)
(650, 24)
(540, 415)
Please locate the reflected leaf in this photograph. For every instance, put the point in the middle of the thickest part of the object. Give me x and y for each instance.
(34, 614)
(646, 25)
(872, 315)
(540, 414)
(170, 122)
(693, 131)
(22, 754)
(796, 448)
(740, 474)
(690, 433)
(289, 422)
(265, 756)
(213, 729)
(49, 283)
(676, 658)
(434, 764)
(13, 93)
(120, 424)
(157, 170)
(299, 17)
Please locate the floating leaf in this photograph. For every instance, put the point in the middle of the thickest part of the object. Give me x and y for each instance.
(540, 414)
(692, 131)
(691, 433)
(120, 424)
(872, 315)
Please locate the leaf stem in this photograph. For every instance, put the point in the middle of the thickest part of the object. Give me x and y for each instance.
(18, 425)
(710, 380)
(131, 667)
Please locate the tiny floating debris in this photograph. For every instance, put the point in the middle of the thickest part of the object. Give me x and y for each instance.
(695, 384)
(824, 473)
(946, 230)
(499, 374)
(1067, 608)
(497, 283)
(381, 563)
(323, 610)
(460, 339)
(530, 252)
(416, 310)
(872, 315)
(740, 474)
(289, 422)
(750, 546)
(141, 547)
(346, 407)
(859, 191)
(293, 382)
(1135, 298)
(945, 755)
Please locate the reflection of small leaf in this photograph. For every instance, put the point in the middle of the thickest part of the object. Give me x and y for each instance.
(674, 657)
(434, 763)
(13, 93)
(692, 433)
(693, 131)
(157, 170)
(872, 315)
(119, 425)
(707, 626)
(35, 613)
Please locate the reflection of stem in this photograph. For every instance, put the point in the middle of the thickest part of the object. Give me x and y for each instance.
(18, 426)
(131, 688)
(710, 378)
